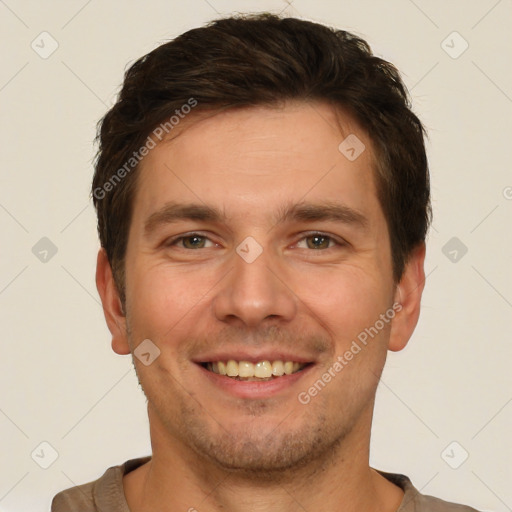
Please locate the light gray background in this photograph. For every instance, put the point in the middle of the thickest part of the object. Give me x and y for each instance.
(60, 381)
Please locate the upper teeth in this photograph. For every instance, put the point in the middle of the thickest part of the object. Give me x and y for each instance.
(261, 369)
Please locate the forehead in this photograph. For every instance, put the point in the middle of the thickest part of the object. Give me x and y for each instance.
(253, 160)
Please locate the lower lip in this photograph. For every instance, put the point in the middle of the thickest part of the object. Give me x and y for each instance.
(254, 389)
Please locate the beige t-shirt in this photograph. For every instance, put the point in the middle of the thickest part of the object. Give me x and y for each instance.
(107, 495)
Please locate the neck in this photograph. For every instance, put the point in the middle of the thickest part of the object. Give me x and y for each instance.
(177, 478)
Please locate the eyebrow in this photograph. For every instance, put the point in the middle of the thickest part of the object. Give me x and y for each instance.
(306, 212)
(174, 212)
(325, 211)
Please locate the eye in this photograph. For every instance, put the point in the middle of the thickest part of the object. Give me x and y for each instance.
(317, 241)
(192, 241)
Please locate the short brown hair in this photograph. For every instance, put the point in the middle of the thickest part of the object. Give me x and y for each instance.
(254, 60)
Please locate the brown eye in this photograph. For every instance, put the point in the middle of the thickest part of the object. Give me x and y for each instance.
(193, 242)
(318, 242)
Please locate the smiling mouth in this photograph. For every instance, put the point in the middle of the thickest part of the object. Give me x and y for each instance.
(260, 371)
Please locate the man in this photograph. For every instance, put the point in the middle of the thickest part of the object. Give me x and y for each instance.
(263, 199)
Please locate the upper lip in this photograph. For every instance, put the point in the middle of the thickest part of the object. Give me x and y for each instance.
(251, 356)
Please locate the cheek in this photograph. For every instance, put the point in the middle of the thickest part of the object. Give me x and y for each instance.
(162, 298)
(349, 304)
(345, 300)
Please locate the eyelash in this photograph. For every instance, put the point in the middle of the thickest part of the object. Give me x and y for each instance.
(336, 241)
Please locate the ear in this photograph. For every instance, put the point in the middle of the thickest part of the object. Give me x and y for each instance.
(408, 295)
(111, 302)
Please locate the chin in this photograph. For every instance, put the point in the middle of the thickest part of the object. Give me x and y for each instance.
(264, 451)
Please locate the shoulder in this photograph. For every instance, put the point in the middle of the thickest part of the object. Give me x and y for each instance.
(414, 501)
(79, 498)
(105, 493)
(425, 503)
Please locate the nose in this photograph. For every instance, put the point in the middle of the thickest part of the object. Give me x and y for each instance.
(254, 294)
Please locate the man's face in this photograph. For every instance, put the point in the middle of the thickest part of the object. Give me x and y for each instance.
(314, 273)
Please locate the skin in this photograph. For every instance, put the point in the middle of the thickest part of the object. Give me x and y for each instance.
(213, 449)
